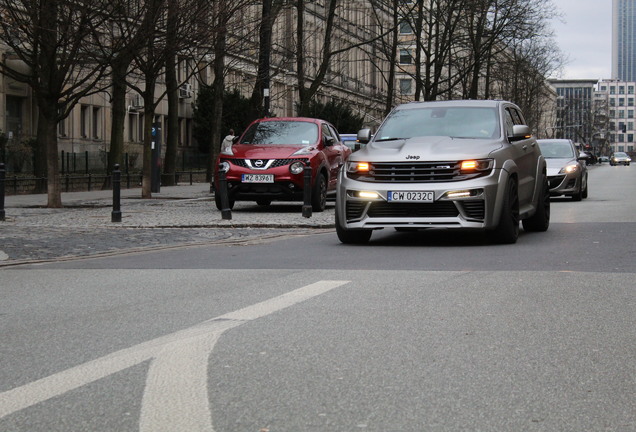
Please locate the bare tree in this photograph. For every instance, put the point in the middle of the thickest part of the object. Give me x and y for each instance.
(59, 43)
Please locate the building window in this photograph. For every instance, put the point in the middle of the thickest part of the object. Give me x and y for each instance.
(612, 90)
(621, 90)
(405, 57)
(630, 101)
(84, 121)
(612, 102)
(630, 90)
(630, 137)
(621, 113)
(96, 122)
(621, 101)
(405, 28)
(61, 128)
(406, 86)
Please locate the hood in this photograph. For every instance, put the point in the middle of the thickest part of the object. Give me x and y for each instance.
(428, 148)
(555, 164)
(250, 151)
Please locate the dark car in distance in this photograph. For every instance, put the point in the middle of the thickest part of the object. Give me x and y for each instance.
(267, 162)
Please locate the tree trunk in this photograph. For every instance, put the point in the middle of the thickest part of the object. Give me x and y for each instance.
(47, 124)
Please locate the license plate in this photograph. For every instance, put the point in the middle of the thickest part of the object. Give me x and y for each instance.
(411, 196)
(258, 178)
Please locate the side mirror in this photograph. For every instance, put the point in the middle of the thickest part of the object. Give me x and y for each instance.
(235, 139)
(520, 132)
(329, 141)
(364, 135)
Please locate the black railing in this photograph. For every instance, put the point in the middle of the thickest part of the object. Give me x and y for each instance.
(17, 185)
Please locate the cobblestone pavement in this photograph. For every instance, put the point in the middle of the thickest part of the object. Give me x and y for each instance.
(178, 216)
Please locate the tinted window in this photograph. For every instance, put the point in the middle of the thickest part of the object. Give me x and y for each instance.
(281, 133)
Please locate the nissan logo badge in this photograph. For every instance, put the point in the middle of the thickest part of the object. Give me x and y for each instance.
(258, 163)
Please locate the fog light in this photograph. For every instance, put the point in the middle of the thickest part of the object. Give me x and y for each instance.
(368, 195)
(463, 193)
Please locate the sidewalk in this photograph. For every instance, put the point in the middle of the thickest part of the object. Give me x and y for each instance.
(179, 206)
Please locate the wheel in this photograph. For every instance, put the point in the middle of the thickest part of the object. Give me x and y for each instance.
(540, 220)
(585, 191)
(319, 194)
(507, 231)
(217, 201)
(263, 202)
(347, 236)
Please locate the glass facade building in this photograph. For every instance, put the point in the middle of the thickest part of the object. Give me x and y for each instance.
(624, 40)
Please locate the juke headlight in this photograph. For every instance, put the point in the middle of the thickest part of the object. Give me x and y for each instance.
(296, 167)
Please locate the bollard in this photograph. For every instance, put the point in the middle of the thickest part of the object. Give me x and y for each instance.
(2, 178)
(226, 212)
(307, 190)
(116, 213)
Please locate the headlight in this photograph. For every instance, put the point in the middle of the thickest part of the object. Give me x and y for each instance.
(476, 165)
(296, 167)
(358, 167)
(304, 151)
(569, 169)
(224, 167)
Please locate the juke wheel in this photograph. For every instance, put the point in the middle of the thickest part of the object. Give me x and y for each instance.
(319, 194)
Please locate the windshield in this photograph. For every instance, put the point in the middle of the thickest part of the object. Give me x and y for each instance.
(458, 122)
(556, 149)
(281, 133)
(620, 154)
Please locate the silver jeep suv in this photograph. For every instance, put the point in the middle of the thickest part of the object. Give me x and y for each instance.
(463, 164)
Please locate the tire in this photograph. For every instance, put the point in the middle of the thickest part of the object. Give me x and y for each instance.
(347, 236)
(585, 191)
(217, 201)
(319, 194)
(540, 220)
(507, 231)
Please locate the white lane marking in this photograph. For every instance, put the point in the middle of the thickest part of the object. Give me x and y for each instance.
(3, 256)
(180, 351)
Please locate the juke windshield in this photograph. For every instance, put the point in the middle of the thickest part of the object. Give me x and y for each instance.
(456, 122)
(281, 133)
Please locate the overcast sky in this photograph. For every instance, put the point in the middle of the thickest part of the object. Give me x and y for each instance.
(585, 38)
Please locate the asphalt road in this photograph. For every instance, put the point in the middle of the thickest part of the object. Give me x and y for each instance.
(430, 332)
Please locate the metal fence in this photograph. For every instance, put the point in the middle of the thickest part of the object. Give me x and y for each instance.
(88, 171)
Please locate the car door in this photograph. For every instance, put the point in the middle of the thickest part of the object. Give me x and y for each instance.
(526, 156)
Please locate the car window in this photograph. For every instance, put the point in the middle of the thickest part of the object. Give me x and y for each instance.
(556, 149)
(281, 133)
(458, 122)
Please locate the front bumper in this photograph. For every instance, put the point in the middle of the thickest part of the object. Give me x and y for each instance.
(564, 184)
(479, 210)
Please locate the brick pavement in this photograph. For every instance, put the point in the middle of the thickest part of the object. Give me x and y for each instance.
(176, 216)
